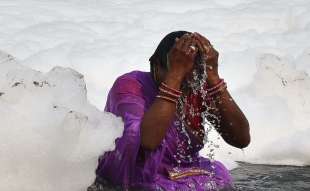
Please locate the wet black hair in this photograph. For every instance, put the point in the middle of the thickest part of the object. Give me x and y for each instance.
(163, 48)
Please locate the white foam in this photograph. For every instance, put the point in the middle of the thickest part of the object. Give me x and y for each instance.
(277, 105)
(50, 136)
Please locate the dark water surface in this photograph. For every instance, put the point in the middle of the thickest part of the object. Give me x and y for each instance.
(271, 178)
(254, 177)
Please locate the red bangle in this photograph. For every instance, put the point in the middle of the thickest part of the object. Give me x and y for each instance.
(167, 98)
(165, 86)
(221, 82)
(169, 93)
(219, 89)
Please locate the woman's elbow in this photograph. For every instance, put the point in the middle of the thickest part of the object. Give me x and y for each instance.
(240, 137)
(148, 145)
(244, 142)
(244, 139)
(239, 142)
(148, 142)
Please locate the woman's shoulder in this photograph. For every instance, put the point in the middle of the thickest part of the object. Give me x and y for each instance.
(140, 78)
(134, 75)
(131, 82)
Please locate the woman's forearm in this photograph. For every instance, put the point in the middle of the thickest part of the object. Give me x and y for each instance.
(158, 118)
(232, 123)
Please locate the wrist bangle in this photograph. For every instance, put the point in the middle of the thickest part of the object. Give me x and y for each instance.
(218, 90)
(221, 82)
(169, 93)
(166, 87)
(167, 98)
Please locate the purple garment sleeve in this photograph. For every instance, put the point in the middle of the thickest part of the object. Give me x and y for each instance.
(125, 99)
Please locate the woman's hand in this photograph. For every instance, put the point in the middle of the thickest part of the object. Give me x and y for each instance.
(210, 56)
(181, 57)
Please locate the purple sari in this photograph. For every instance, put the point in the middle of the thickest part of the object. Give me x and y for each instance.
(130, 167)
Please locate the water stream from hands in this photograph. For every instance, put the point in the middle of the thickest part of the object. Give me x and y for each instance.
(195, 85)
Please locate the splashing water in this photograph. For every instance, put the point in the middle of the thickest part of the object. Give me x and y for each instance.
(196, 86)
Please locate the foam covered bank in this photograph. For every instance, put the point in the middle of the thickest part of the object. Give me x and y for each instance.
(50, 136)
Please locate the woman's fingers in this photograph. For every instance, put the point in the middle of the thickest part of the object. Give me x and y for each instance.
(200, 46)
(203, 39)
(186, 46)
(195, 39)
(193, 51)
(204, 44)
(180, 42)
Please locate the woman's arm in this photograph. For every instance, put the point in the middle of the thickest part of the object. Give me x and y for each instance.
(159, 116)
(232, 125)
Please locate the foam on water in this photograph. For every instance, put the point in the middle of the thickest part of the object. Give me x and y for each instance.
(50, 136)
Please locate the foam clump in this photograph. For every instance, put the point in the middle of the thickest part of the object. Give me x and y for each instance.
(50, 136)
(277, 106)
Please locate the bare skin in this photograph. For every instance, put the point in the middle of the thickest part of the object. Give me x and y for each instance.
(233, 126)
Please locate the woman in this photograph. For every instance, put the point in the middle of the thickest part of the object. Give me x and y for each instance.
(153, 153)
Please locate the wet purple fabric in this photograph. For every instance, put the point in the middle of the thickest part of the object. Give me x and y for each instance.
(132, 167)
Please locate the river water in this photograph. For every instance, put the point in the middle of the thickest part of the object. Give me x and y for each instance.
(250, 177)
(257, 177)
